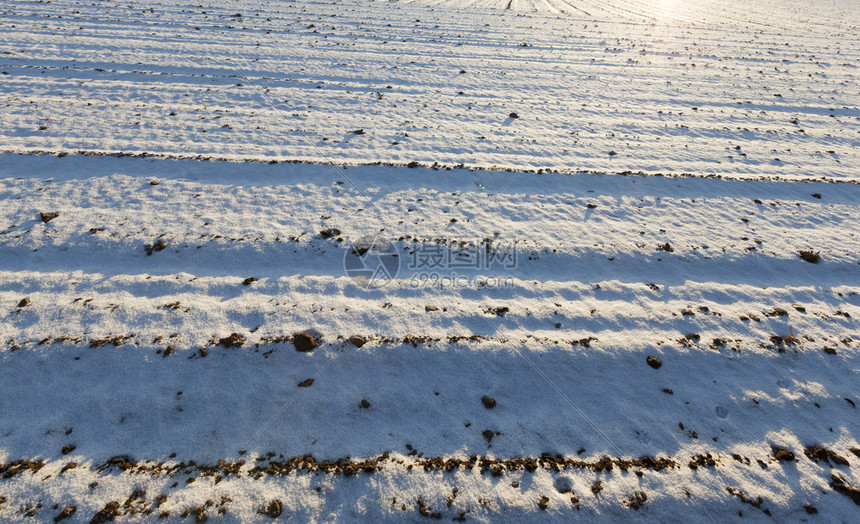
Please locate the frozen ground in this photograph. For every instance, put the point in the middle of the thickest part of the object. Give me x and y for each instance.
(657, 350)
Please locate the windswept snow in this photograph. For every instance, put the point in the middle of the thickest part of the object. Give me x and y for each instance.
(666, 333)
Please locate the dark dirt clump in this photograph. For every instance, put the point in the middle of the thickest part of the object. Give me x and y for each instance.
(123, 462)
(811, 509)
(813, 257)
(109, 513)
(841, 486)
(24, 302)
(306, 383)
(234, 340)
(304, 342)
(364, 404)
(597, 487)
(488, 434)
(47, 217)
(357, 341)
(783, 455)
(67, 449)
(702, 460)
(543, 503)
(273, 509)
(817, 454)
(66, 513)
(499, 311)
(248, 281)
(489, 402)
(10, 469)
(756, 503)
(636, 500)
(654, 362)
(159, 245)
(331, 232)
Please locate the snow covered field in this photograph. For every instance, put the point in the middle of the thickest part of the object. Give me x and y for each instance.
(570, 333)
(667, 86)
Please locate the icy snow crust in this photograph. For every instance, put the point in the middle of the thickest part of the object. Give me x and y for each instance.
(659, 351)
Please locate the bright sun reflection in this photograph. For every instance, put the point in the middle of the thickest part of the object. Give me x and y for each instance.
(664, 9)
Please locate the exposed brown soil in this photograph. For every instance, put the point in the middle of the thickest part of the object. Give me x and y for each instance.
(636, 500)
(654, 362)
(109, 513)
(756, 503)
(499, 311)
(489, 402)
(159, 245)
(702, 460)
(234, 340)
(117, 341)
(304, 342)
(10, 469)
(66, 513)
(840, 485)
(817, 454)
(357, 341)
(783, 455)
(272, 509)
(47, 217)
(123, 462)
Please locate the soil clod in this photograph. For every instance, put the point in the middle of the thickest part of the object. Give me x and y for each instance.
(234, 340)
(783, 455)
(66, 513)
(304, 342)
(273, 509)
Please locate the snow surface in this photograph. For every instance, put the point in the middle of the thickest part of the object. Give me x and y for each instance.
(191, 208)
(673, 87)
